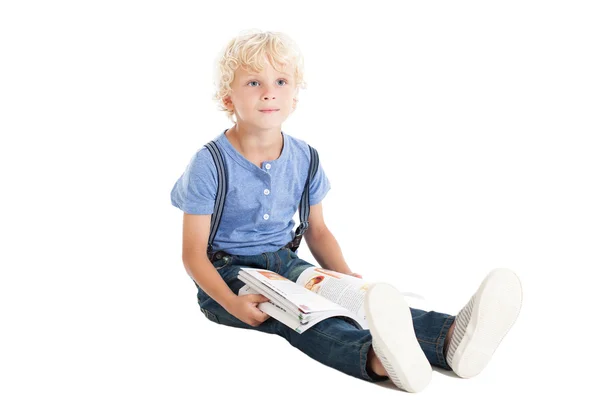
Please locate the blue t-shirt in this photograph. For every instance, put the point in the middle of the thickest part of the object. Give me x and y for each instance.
(260, 203)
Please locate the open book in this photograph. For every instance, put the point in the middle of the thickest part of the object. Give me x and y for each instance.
(316, 295)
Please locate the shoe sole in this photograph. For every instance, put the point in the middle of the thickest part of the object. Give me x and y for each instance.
(390, 323)
(495, 309)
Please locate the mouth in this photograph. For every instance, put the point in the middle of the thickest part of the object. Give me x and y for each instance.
(269, 110)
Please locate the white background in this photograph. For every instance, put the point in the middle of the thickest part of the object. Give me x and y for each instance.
(458, 137)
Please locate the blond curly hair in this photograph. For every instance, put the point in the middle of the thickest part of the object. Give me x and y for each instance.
(248, 50)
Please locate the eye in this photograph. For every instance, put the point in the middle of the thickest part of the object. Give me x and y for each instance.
(280, 82)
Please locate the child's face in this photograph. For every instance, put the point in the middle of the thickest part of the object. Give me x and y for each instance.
(256, 91)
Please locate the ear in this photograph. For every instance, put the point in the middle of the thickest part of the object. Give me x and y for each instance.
(228, 103)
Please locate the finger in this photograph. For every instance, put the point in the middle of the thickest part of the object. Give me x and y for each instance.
(260, 318)
(265, 317)
(257, 314)
(257, 298)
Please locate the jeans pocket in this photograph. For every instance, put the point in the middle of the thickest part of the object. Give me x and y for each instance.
(291, 254)
(210, 315)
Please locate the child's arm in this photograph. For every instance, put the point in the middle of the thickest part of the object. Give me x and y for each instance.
(322, 244)
(196, 229)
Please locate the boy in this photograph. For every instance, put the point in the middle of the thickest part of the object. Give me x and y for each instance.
(239, 195)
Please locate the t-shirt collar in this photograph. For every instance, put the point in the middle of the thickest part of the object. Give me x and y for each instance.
(244, 162)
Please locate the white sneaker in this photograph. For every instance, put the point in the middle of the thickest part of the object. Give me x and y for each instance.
(482, 324)
(394, 340)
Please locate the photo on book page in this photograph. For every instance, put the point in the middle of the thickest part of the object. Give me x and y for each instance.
(346, 290)
(313, 281)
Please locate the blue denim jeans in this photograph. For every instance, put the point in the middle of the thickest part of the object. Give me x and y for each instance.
(337, 342)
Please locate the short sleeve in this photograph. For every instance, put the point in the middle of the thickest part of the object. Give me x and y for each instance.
(319, 186)
(196, 190)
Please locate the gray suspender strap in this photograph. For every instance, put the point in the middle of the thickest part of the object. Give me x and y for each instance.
(215, 220)
(305, 200)
(304, 208)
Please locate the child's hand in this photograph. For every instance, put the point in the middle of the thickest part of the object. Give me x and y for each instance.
(245, 308)
(356, 274)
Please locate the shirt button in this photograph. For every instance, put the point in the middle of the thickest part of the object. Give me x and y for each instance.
(267, 191)
(266, 216)
(268, 166)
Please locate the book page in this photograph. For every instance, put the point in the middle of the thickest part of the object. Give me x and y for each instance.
(345, 290)
(274, 310)
(289, 318)
(279, 301)
(305, 300)
(276, 296)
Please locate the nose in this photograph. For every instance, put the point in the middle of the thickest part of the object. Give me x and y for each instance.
(268, 92)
